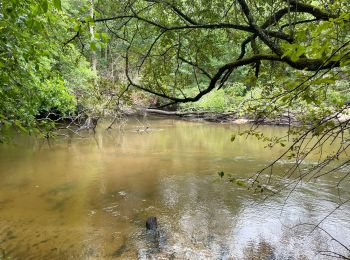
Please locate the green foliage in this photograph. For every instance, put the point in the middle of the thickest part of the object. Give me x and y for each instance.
(171, 62)
(45, 48)
(57, 4)
(215, 101)
(223, 100)
(37, 73)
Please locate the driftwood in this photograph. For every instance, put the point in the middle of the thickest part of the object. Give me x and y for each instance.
(209, 116)
(232, 117)
(90, 123)
(169, 113)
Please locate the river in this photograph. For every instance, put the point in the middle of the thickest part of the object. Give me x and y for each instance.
(89, 198)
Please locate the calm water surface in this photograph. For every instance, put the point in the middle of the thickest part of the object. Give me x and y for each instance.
(89, 198)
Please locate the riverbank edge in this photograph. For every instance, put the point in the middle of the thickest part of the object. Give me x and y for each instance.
(284, 119)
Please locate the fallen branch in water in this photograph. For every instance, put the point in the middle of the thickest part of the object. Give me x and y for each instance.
(229, 117)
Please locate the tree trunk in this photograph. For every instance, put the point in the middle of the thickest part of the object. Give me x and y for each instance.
(91, 30)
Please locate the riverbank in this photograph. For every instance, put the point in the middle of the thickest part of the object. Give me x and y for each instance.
(219, 117)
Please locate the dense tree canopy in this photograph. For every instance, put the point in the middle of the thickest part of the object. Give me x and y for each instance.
(38, 73)
(171, 45)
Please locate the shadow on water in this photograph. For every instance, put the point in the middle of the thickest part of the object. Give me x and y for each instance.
(59, 197)
(66, 187)
(121, 249)
(60, 204)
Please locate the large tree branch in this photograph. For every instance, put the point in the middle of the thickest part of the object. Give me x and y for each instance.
(176, 10)
(299, 22)
(213, 80)
(258, 30)
(295, 7)
(302, 64)
(213, 26)
(267, 36)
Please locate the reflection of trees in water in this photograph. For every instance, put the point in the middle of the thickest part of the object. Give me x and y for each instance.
(204, 224)
(260, 250)
(200, 225)
(325, 244)
(321, 245)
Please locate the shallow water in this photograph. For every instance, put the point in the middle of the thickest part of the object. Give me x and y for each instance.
(89, 198)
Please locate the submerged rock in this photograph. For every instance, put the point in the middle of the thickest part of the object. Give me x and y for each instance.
(151, 223)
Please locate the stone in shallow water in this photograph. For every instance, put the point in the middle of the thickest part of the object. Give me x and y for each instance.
(151, 223)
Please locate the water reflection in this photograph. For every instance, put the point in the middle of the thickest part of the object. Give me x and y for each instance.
(88, 198)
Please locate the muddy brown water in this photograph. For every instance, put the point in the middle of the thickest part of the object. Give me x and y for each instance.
(89, 198)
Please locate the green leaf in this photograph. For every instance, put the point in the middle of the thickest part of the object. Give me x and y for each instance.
(57, 4)
(77, 27)
(44, 5)
(93, 46)
(19, 125)
(97, 35)
(104, 37)
(221, 174)
(344, 62)
(88, 19)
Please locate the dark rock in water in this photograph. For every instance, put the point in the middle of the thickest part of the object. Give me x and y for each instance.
(151, 223)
